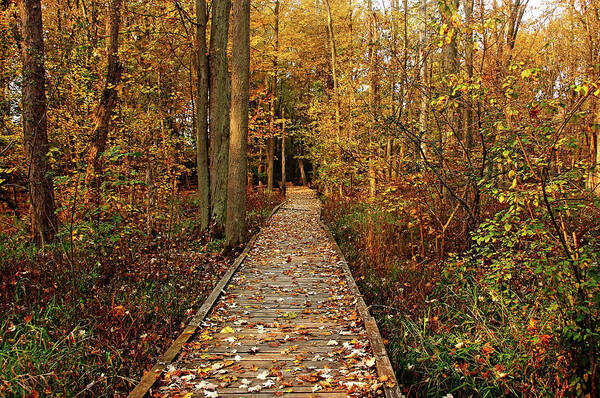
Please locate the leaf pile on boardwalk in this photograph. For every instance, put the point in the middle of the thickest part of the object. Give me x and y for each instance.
(286, 324)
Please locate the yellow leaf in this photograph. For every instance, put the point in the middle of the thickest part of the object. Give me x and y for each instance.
(585, 89)
(227, 329)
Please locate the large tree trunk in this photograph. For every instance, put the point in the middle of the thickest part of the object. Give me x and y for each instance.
(373, 88)
(44, 224)
(236, 186)
(219, 109)
(202, 115)
(389, 150)
(271, 140)
(423, 114)
(109, 94)
(332, 46)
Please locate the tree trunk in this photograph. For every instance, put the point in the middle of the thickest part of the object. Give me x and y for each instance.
(44, 224)
(394, 109)
(302, 171)
(261, 167)
(404, 108)
(515, 10)
(593, 180)
(236, 186)
(271, 140)
(219, 109)
(423, 75)
(332, 46)
(202, 115)
(283, 175)
(270, 162)
(468, 108)
(389, 148)
(394, 56)
(109, 94)
(372, 99)
(334, 69)
(452, 67)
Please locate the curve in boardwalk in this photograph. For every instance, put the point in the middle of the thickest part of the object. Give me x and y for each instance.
(288, 323)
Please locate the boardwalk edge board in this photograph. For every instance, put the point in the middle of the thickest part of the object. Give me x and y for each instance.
(382, 360)
(150, 377)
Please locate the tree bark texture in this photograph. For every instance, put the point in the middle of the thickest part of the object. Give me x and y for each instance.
(271, 140)
(202, 114)
(236, 186)
(283, 174)
(270, 162)
(44, 224)
(219, 109)
(423, 75)
(468, 108)
(332, 46)
(302, 171)
(453, 67)
(373, 94)
(593, 180)
(334, 75)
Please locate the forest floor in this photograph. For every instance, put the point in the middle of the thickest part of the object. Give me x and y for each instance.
(89, 318)
(289, 321)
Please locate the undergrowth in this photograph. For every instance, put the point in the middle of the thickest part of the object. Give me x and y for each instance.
(483, 322)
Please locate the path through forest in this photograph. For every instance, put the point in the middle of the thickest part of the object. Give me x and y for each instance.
(289, 322)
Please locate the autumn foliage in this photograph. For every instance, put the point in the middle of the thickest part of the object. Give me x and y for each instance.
(456, 145)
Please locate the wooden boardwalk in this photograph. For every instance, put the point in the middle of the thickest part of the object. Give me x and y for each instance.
(290, 322)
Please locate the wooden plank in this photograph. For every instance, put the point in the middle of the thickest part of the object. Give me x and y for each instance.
(150, 377)
(284, 395)
(267, 364)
